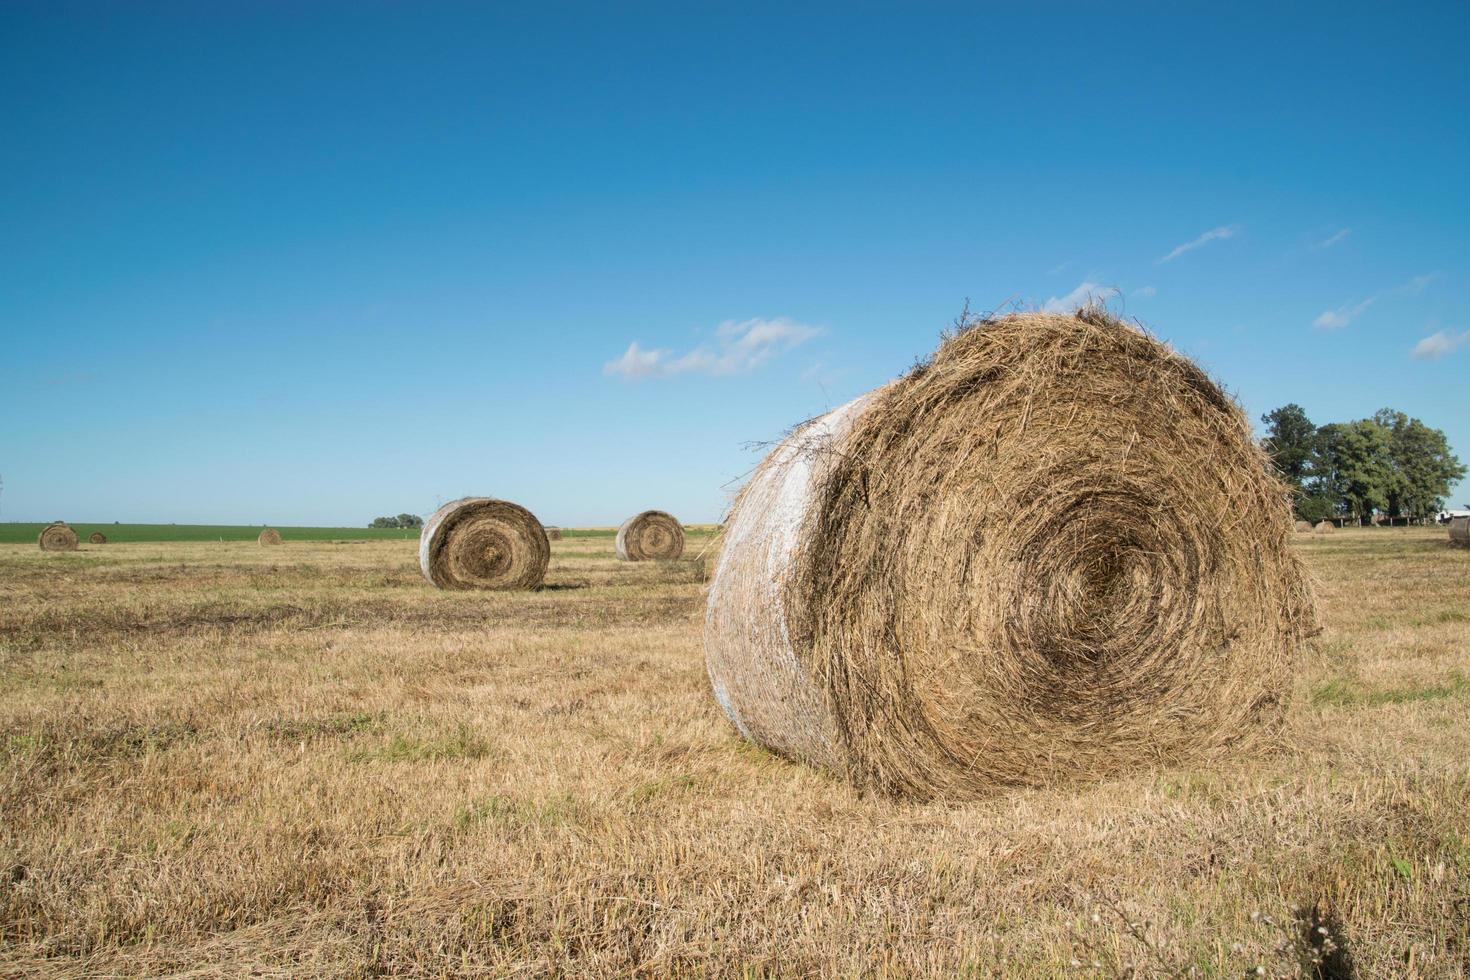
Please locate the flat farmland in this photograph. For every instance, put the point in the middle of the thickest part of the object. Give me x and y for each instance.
(223, 759)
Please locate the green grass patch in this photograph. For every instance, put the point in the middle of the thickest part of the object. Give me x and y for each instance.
(1344, 692)
(461, 743)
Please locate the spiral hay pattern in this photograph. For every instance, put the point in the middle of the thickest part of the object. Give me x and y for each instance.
(553, 534)
(97, 537)
(1052, 552)
(484, 543)
(651, 535)
(57, 536)
(269, 536)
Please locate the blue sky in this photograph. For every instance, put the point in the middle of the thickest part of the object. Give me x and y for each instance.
(308, 266)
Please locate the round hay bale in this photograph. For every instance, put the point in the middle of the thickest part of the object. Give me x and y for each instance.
(269, 536)
(1054, 551)
(97, 537)
(1460, 530)
(484, 543)
(649, 536)
(1324, 527)
(1304, 526)
(57, 536)
(553, 534)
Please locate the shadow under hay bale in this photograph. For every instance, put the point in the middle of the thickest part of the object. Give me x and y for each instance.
(57, 536)
(650, 536)
(270, 536)
(484, 543)
(1054, 551)
(96, 537)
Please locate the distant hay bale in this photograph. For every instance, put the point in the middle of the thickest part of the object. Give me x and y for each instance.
(1054, 551)
(1304, 526)
(649, 536)
(269, 536)
(97, 537)
(553, 534)
(1324, 527)
(1460, 530)
(57, 536)
(484, 543)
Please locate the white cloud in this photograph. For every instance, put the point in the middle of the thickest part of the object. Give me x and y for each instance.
(1342, 316)
(1214, 234)
(1437, 345)
(1332, 240)
(1085, 294)
(739, 345)
(1146, 292)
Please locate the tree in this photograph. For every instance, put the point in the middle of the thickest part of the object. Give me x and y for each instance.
(1423, 466)
(1290, 439)
(410, 521)
(384, 522)
(1351, 464)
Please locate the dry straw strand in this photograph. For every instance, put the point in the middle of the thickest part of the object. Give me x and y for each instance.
(57, 536)
(651, 535)
(270, 536)
(484, 543)
(97, 537)
(1460, 530)
(1053, 551)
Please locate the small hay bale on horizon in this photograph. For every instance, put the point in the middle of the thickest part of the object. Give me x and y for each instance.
(57, 536)
(96, 537)
(1303, 526)
(1460, 531)
(484, 543)
(553, 534)
(652, 535)
(1054, 551)
(1324, 527)
(270, 536)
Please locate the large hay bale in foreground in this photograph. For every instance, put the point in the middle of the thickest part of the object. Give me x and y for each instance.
(1304, 526)
(649, 536)
(484, 543)
(57, 536)
(269, 536)
(1460, 530)
(97, 537)
(1325, 527)
(1052, 552)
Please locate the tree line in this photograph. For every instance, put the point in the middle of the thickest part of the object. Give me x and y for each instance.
(1390, 465)
(407, 521)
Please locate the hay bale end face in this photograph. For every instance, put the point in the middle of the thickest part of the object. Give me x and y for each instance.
(1325, 527)
(484, 543)
(270, 536)
(1460, 531)
(650, 536)
(57, 536)
(553, 534)
(1052, 552)
(97, 537)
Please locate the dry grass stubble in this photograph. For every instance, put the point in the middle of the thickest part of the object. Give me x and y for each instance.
(218, 762)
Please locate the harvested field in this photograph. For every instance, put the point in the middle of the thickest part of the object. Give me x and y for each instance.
(218, 761)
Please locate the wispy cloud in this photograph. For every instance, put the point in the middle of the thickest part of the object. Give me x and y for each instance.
(1343, 315)
(1084, 294)
(1334, 239)
(738, 345)
(1146, 292)
(1437, 345)
(1347, 313)
(1213, 235)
